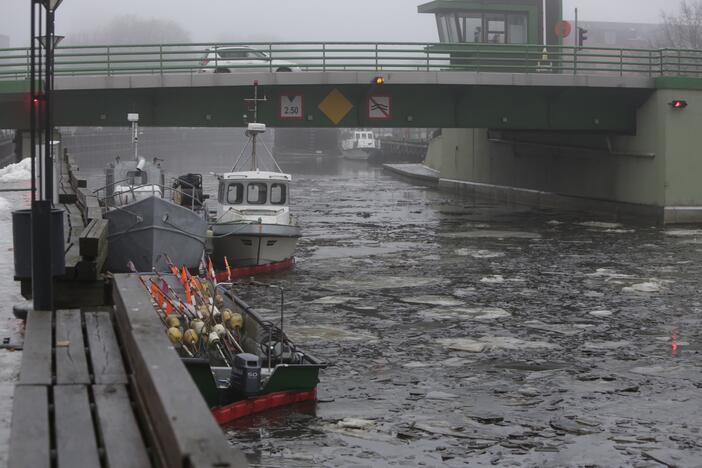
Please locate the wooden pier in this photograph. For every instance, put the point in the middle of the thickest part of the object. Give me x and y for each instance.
(100, 384)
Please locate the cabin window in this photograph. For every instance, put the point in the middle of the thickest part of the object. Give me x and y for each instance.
(448, 27)
(517, 29)
(235, 194)
(496, 30)
(256, 193)
(137, 178)
(278, 194)
(472, 27)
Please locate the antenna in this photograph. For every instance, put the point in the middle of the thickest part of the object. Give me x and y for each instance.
(253, 132)
(134, 119)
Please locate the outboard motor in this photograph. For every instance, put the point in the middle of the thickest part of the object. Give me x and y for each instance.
(188, 190)
(246, 374)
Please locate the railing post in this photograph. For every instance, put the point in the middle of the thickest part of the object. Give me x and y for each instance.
(621, 62)
(160, 58)
(270, 57)
(324, 57)
(376, 57)
(527, 65)
(660, 52)
(650, 64)
(426, 49)
(679, 64)
(108, 62)
(575, 60)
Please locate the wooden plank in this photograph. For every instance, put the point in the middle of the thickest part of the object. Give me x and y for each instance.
(76, 444)
(71, 362)
(29, 433)
(93, 239)
(185, 431)
(105, 356)
(37, 354)
(121, 437)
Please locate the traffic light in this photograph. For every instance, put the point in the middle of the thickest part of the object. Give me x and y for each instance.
(582, 36)
(379, 80)
(678, 104)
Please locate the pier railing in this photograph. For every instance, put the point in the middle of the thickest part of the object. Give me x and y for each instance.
(112, 60)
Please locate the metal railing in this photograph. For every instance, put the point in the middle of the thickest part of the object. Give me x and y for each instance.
(112, 60)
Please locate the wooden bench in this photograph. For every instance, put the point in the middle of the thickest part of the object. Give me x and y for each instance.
(72, 404)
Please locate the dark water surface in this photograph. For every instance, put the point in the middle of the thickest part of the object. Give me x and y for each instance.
(467, 333)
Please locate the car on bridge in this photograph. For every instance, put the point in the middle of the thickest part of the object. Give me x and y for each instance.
(241, 58)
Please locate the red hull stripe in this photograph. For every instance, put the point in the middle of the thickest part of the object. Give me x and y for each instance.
(240, 409)
(256, 270)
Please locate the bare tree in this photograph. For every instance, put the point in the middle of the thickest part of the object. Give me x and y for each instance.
(684, 29)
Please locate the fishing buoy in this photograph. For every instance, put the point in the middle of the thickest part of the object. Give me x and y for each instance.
(226, 315)
(173, 322)
(190, 337)
(204, 311)
(217, 316)
(206, 289)
(219, 330)
(175, 335)
(219, 301)
(236, 322)
(197, 325)
(213, 338)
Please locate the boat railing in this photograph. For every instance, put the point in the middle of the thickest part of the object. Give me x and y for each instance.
(109, 200)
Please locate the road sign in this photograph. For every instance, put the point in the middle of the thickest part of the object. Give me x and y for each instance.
(335, 106)
(291, 107)
(379, 108)
(563, 29)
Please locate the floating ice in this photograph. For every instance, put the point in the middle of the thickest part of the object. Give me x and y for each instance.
(464, 292)
(601, 313)
(554, 222)
(606, 345)
(355, 423)
(444, 301)
(608, 274)
(493, 279)
(16, 172)
(493, 342)
(476, 313)
(385, 282)
(478, 234)
(684, 232)
(304, 333)
(436, 395)
(601, 225)
(478, 253)
(335, 300)
(647, 287)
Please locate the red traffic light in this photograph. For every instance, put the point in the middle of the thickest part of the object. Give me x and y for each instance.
(678, 104)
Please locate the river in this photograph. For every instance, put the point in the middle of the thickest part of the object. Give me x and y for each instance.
(461, 332)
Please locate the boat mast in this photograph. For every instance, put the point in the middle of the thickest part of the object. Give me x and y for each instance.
(134, 119)
(253, 135)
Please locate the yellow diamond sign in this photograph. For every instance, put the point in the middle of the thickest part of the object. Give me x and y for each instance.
(335, 106)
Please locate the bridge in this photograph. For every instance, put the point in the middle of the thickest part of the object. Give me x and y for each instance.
(509, 87)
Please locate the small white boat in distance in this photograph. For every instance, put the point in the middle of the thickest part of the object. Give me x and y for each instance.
(360, 146)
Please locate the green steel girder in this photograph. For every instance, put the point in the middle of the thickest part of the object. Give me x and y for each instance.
(421, 106)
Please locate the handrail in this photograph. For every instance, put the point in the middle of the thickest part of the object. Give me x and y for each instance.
(132, 188)
(119, 59)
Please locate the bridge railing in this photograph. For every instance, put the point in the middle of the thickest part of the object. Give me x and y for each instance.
(356, 56)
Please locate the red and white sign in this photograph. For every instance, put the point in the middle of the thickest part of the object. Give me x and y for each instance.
(563, 29)
(291, 107)
(379, 108)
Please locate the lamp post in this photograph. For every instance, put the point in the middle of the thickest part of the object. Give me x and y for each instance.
(42, 227)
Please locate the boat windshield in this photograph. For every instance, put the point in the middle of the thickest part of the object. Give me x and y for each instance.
(256, 193)
(235, 194)
(278, 194)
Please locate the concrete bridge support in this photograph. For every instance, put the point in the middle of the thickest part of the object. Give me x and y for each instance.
(653, 175)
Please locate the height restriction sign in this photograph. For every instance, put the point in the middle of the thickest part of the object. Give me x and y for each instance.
(379, 108)
(291, 107)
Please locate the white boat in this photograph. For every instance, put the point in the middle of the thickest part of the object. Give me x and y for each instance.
(252, 224)
(361, 145)
(146, 228)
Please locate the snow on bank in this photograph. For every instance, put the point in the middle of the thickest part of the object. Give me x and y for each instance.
(16, 172)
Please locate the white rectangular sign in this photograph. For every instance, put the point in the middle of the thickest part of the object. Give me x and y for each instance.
(291, 107)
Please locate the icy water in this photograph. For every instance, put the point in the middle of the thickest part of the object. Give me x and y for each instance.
(463, 333)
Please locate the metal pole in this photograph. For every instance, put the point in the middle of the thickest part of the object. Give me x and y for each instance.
(48, 132)
(32, 102)
(577, 30)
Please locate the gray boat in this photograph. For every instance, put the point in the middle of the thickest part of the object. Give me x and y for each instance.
(150, 224)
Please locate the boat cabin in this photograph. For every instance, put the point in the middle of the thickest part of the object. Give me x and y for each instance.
(133, 180)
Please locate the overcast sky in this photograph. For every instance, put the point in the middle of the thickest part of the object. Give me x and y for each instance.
(294, 20)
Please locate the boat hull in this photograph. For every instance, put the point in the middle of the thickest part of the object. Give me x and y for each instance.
(150, 230)
(253, 244)
(360, 154)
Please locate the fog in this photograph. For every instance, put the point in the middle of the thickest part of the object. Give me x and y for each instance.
(287, 20)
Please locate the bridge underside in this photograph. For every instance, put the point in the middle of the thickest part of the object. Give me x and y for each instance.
(344, 99)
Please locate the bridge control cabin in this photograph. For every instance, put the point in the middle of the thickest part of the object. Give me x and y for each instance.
(494, 35)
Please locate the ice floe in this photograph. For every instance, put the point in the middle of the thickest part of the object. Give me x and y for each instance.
(16, 172)
(464, 313)
(646, 287)
(335, 300)
(486, 343)
(493, 279)
(311, 333)
(443, 301)
(608, 274)
(601, 313)
(600, 225)
(684, 232)
(478, 253)
(385, 282)
(482, 234)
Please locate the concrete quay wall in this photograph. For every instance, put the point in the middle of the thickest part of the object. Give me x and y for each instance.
(653, 174)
